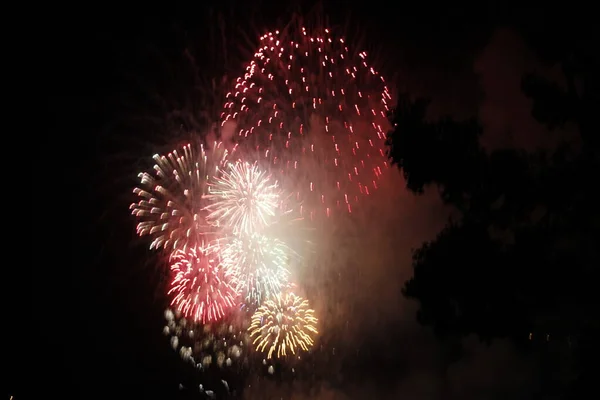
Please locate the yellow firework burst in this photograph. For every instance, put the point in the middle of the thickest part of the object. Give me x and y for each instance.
(283, 323)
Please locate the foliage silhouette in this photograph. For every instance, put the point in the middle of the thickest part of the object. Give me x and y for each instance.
(574, 208)
(520, 261)
(444, 152)
(573, 48)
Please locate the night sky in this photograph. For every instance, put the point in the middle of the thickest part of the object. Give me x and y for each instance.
(117, 78)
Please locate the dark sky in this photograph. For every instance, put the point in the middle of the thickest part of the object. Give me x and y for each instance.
(116, 77)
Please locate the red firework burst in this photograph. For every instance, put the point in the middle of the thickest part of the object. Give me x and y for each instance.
(201, 288)
(317, 113)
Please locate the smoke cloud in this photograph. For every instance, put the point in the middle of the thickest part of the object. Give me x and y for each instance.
(362, 262)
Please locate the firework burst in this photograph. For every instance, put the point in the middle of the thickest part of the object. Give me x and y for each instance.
(172, 199)
(259, 264)
(244, 199)
(283, 323)
(201, 289)
(317, 113)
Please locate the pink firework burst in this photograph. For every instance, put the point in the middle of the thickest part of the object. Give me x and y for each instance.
(201, 288)
(317, 113)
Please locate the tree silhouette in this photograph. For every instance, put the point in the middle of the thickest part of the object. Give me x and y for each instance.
(522, 259)
(573, 48)
(445, 152)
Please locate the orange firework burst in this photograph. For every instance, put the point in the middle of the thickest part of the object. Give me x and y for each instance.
(201, 288)
(283, 323)
(317, 113)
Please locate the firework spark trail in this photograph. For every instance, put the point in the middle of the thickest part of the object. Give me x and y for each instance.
(259, 264)
(201, 288)
(171, 206)
(282, 323)
(244, 199)
(223, 343)
(317, 114)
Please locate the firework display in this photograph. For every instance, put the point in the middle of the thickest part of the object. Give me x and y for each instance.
(217, 218)
(317, 113)
(309, 119)
(283, 324)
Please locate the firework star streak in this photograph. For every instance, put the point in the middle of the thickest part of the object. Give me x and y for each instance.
(204, 344)
(259, 263)
(244, 199)
(283, 323)
(201, 289)
(317, 113)
(172, 198)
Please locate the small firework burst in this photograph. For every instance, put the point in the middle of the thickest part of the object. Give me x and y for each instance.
(202, 290)
(244, 199)
(283, 323)
(259, 264)
(172, 199)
